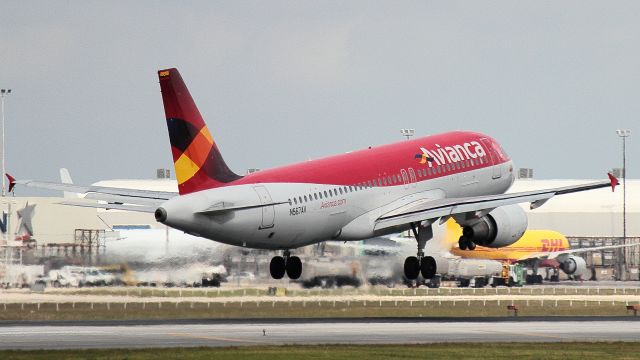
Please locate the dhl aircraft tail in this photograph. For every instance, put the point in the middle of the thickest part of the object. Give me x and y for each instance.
(197, 160)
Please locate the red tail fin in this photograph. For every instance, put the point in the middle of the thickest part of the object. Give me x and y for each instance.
(197, 160)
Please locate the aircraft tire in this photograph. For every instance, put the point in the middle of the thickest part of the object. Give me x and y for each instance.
(411, 268)
(462, 243)
(277, 267)
(294, 267)
(428, 267)
(471, 245)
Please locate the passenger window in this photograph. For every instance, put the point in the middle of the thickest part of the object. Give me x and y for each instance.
(295, 201)
(384, 181)
(315, 196)
(320, 194)
(305, 198)
(340, 189)
(325, 194)
(369, 183)
(300, 199)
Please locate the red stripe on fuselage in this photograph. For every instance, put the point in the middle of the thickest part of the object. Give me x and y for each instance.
(380, 161)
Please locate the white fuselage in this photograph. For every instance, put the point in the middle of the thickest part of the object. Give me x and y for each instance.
(344, 213)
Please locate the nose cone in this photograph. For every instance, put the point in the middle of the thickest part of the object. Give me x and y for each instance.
(161, 215)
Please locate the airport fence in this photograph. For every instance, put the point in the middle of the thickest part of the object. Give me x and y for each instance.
(377, 291)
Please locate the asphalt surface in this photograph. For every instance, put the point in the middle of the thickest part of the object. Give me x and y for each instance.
(188, 333)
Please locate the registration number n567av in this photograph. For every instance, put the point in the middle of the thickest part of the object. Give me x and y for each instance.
(297, 210)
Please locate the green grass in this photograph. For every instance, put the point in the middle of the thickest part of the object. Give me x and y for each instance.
(494, 351)
(306, 309)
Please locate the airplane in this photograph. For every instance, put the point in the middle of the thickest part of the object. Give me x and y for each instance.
(536, 248)
(358, 195)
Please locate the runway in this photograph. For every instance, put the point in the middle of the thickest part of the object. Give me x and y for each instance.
(79, 335)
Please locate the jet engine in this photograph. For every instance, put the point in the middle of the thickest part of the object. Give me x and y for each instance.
(574, 265)
(501, 227)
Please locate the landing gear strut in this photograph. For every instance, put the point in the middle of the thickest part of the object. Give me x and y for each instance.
(420, 264)
(291, 265)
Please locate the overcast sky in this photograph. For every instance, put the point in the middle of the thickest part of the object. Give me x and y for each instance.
(280, 82)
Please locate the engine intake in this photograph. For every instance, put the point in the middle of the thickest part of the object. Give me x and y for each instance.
(574, 265)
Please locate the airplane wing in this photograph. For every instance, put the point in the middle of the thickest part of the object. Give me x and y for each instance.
(557, 254)
(111, 195)
(429, 209)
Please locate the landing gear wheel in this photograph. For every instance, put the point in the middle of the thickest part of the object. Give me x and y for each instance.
(411, 268)
(294, 268)
(277, 267)
(428, 267)
(462, 243)
(471, 245)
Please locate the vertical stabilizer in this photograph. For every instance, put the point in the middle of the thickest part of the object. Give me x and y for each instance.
(197, 160)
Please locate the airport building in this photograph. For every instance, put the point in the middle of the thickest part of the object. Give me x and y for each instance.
(44, 228)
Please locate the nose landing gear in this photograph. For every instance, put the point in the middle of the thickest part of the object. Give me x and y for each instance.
(291, 265)
(420, 264)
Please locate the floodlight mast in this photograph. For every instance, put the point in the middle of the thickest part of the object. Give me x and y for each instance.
(624, 134)
(408, 133)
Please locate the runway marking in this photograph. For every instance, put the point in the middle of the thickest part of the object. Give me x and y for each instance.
(204, 337)
(525, 333)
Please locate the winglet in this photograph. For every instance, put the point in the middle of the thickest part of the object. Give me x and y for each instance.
(12, 182)
(614, 181)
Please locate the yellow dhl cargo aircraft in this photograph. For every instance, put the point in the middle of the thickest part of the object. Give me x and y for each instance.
(536, 248)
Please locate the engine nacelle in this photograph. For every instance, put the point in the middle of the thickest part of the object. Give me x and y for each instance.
(501, 227)
(575, 265)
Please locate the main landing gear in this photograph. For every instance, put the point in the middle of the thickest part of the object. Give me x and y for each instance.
(291, 265)
(420, 264)
(465, 244)
(465, 241)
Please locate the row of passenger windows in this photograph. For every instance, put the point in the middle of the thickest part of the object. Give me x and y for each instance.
(384, 181)
(327, 193)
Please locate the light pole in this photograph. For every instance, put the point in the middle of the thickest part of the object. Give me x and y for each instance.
(624, 134)
(407, 132)
(3, 94)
